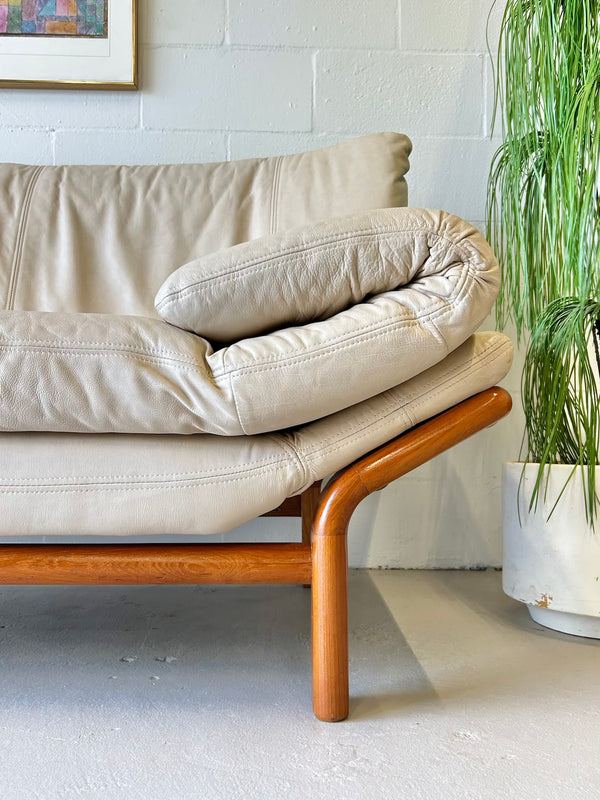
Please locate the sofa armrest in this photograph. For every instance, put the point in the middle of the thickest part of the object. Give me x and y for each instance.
(315, 271)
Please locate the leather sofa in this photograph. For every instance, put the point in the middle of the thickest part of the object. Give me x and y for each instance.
(184, 348)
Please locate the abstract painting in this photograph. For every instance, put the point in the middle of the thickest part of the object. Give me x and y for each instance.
(54, 18)
(68, 44)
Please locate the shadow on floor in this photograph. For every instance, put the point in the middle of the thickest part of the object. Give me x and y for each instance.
(487, 598)
(385, 675)
(236, 647)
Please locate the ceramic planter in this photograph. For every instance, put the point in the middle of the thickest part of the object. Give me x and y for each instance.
(552, 565)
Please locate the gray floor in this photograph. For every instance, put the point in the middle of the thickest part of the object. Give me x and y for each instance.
(202, 692)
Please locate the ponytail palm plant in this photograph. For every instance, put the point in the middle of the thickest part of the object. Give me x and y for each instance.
(543, 220)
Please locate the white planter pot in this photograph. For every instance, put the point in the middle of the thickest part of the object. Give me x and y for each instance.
(551, 565)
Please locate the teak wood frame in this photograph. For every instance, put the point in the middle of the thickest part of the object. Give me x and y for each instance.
(320, 560)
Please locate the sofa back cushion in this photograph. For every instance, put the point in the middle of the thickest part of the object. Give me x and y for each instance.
(103, 239)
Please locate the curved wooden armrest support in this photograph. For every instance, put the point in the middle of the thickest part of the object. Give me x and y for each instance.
(338, 502)
(410, 450)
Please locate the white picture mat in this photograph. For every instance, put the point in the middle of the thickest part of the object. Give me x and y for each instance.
(39, 58)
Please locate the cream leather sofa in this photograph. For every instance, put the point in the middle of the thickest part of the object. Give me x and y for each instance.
(184, 347)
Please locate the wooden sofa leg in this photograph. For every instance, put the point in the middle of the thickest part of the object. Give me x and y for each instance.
(330, 599)
(329, 558)
(330, 629)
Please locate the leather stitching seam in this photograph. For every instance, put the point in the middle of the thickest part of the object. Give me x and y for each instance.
(159, 485)
(19, 243)
(260, 264)
(371, 331)
(450, 377)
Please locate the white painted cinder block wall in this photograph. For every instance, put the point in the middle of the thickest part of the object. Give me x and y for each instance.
(227, 79)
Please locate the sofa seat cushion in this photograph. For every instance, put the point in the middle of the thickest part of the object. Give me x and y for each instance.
(126, 374)
(181, 485)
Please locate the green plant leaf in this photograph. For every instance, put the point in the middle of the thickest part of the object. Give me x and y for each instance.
(543, 220)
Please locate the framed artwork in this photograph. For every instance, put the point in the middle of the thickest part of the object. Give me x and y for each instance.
(63, 44)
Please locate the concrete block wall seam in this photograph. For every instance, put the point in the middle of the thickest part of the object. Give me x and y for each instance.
(340, 23)
(252, 78)
(222, 16)
(227, 35)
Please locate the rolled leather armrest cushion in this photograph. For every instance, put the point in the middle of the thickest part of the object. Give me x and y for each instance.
(109, 373)
(313, 272)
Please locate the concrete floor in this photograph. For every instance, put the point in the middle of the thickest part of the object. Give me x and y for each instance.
(204, 692)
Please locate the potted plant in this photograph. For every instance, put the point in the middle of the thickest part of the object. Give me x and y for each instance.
(543, 220)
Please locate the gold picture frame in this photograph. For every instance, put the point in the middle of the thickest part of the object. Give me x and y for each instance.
(56, 61)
